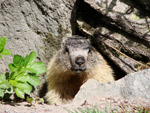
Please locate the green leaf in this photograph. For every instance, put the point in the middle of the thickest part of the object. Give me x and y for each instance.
(2, 78)
(37, 67)
(29, 59)
(19, 92)
(28, 89)
(32, 79)
(5, 52)
(23, 86)
(2, 43)
(12, 75)
(9, 90)
(22, 78)
(0, 56)
(7, 75)
(4, 85)
(1, 93)
(29, 100)
(13, 83)
(12, 67)
(17, 60)
(21, 71)
(40, 101)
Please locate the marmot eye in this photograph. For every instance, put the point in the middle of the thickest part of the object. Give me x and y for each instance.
(66, 50)
(89, 50)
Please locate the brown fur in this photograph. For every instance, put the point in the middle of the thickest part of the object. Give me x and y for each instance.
(63, 84)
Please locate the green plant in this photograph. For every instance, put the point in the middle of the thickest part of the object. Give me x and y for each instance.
(32, 101)
(86, 110)
(23, 77)
(2, 45)
(144, 110)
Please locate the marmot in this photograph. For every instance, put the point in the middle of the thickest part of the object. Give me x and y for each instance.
(71, 66)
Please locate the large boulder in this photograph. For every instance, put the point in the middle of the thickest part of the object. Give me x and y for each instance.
(37, 25)
(134, 85)
(34, 25)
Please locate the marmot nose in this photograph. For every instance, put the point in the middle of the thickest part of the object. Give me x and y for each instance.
(80, 60)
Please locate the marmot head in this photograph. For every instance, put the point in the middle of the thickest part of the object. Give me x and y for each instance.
(76, 49)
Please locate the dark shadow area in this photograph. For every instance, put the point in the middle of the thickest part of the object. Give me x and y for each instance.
(43, 90)
(84, 12)
(73, 19)
(15, 101)
(118, 72)
(136, 4)
(81, 11)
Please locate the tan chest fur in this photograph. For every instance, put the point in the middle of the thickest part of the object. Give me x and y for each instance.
(64, 84)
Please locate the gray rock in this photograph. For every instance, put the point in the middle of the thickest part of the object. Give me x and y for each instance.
(34, 25)
(113, 25)
(134, 85)
(37, 25)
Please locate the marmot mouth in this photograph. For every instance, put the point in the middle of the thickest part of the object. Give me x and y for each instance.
(79, 70)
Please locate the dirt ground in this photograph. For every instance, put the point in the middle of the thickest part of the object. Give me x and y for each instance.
(104, 104)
